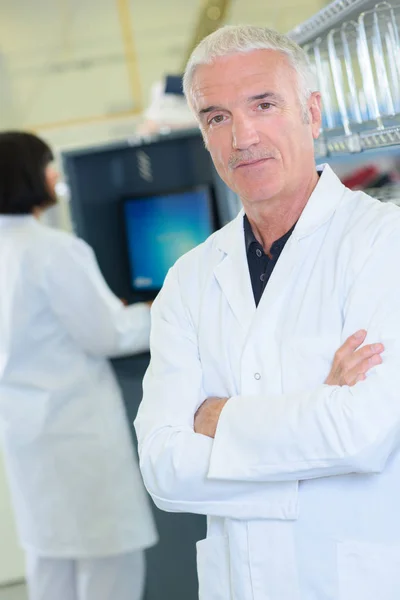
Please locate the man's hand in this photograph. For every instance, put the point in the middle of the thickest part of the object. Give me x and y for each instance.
(207, 416)
(350, 365)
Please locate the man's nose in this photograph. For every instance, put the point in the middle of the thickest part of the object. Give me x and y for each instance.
(244, 133)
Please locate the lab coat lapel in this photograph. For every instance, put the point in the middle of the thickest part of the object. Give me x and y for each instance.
(289, 261)
(318, 210)
(232, 273)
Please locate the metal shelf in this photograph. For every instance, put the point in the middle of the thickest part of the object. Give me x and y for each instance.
(358, 142)
(381, 138)
(328, 17)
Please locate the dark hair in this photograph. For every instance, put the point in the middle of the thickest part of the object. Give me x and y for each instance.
(23, 161)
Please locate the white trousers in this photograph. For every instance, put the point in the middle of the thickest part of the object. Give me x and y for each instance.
(119, 577)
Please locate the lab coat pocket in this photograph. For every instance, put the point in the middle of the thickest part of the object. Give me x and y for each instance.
(368, 571)
(213, 568)
(23, 414)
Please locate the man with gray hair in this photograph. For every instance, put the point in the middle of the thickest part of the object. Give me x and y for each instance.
(249, 416)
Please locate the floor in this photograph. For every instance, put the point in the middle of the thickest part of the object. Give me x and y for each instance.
(14, 592)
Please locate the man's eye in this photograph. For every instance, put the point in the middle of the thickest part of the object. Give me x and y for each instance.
(217, 119)
(265, 105)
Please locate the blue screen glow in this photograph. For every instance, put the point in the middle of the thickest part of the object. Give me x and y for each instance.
(162, 228)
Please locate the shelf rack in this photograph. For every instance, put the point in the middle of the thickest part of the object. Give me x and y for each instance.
(320, 23)
(333, 14)
(358, 142)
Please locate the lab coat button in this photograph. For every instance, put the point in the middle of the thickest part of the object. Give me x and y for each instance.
(257, 376)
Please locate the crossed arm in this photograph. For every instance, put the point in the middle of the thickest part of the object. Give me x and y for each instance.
(350, 365)
(263, 444)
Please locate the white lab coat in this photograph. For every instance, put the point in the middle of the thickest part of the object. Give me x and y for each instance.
(302, 482)
(75, 482)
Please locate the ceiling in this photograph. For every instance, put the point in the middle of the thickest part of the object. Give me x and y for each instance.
(71, 62)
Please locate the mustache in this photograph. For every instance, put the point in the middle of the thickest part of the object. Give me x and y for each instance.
(244, 156)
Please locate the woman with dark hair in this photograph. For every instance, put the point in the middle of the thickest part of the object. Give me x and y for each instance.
(81, 510)
(27, 176)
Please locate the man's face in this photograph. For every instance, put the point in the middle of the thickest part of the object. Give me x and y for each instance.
(253, 123)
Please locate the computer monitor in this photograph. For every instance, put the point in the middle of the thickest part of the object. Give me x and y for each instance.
(160, 228)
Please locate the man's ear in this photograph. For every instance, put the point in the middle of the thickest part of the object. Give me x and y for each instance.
(315, 111)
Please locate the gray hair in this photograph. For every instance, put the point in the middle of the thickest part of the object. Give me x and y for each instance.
(234, 39)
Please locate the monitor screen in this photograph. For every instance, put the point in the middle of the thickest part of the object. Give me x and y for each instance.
(161, 228)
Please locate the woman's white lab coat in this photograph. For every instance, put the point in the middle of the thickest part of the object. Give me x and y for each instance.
(301, 484)
(74, 479)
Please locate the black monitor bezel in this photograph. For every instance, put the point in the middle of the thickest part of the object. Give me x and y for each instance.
(142, 293)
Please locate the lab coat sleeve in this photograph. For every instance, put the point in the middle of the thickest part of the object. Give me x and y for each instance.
(174, 460)
(330, 430)
(94, 317)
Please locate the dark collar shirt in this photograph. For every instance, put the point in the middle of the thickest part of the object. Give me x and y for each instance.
(260, 264)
